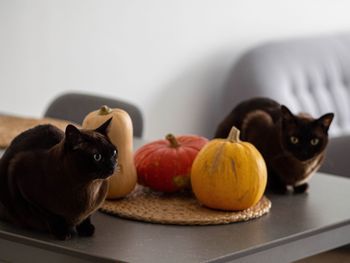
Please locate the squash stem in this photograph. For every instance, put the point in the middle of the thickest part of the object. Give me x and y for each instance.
(173, 142)
(104, 110)
(234, 135)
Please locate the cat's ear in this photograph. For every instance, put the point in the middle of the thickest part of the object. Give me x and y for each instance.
(104, 128)
(325, 120)
(287, 114)
(72, 135)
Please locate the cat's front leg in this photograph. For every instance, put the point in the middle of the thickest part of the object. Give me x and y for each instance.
(85, 228)
(301, 188)
(60, 229)
(275, 184)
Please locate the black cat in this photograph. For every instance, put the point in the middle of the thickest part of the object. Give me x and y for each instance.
(53, 181)
(293, 146)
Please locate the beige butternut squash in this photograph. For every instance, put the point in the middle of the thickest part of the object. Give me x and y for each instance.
(123, 181)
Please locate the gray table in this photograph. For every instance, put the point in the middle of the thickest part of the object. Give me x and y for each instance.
(296, 227)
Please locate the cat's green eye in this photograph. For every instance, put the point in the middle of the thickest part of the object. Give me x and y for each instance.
(97, 157)
(314, 141)
(294, 140)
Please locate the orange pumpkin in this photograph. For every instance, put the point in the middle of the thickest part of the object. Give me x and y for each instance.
(165, 165)
(229, 174)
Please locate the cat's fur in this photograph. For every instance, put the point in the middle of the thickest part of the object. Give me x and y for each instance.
(53, 181)
(271, 127)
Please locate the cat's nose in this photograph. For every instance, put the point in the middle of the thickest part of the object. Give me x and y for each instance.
(113, 159)
(111, 167)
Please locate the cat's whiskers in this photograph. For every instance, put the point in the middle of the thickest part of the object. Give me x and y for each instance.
(117, 169)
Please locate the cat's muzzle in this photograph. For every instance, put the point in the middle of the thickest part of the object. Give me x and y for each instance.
(109, 170)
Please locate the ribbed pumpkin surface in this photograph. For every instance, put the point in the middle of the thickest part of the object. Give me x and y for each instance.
(229, 174)
(165, 165)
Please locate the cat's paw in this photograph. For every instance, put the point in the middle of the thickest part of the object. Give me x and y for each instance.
(275, 184)
(85, 229)
(62, 235)
(61, 231)
(301, 188)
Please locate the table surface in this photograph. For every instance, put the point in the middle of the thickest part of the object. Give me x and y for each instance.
(292, 218)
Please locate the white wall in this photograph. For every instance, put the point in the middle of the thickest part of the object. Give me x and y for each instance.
(171, 58)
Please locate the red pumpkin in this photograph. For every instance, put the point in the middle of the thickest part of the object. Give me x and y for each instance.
(165, 165)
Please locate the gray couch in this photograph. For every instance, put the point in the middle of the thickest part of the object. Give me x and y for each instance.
(310, 75)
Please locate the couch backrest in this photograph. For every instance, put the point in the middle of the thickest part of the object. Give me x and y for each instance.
(307, 75)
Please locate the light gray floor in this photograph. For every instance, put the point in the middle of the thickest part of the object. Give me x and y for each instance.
(339, 255)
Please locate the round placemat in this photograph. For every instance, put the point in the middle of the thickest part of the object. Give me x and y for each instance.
(177, 209)
(11, 126)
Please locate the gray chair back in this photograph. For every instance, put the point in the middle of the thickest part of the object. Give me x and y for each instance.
(75, 106)
(307, 75)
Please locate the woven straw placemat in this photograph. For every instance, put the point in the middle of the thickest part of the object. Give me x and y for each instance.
(11, 126)
(177, 209)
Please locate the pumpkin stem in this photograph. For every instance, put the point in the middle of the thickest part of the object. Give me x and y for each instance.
(234, 135)
(104, 110)
(173, 142)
